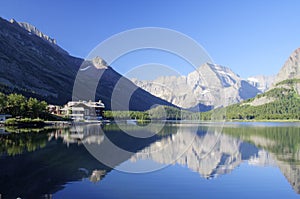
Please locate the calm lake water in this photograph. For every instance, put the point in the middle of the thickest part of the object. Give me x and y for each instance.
(237, 160)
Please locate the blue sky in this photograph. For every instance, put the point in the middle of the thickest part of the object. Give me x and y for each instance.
(250, 37)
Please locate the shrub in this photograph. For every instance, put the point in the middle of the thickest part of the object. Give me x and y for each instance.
(11, 121)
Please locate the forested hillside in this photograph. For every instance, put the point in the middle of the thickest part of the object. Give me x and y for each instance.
(281, 102)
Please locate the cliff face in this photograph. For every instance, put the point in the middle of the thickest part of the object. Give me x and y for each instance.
(210, 84)
(34, 65)
(33, 30)
(289, 74)
(291, 68)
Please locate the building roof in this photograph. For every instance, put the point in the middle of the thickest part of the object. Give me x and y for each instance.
(90, 104)
(77, 109)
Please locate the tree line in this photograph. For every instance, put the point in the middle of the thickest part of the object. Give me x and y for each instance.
(286, 106)
(19, 106)
(157, 113)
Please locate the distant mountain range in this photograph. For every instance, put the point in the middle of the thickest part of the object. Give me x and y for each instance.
(32, 64)
(211, 84)
(261, 82)
(271, 97)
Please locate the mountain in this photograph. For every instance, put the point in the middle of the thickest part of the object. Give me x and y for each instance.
(281, 101)
(34, 65)
(261, 82)
(291, 68)
(33, 30)
(209, 85)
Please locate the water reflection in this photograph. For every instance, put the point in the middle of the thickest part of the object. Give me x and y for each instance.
(282, 144)
(15, 144)
(50, 158)
(210, 154)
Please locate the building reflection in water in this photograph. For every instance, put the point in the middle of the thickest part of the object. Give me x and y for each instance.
(203, 149)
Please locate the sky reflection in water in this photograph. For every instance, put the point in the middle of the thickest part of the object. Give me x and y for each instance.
(246, 161)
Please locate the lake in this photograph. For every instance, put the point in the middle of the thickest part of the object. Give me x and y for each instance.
(161, 160)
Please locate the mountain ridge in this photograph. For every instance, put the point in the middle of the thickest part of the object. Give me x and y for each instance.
(35, 31)
(34, 67)
(209, 85)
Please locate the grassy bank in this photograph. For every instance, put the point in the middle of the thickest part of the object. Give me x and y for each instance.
(25, 122)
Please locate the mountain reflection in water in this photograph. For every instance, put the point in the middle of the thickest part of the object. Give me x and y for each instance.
(35, 164)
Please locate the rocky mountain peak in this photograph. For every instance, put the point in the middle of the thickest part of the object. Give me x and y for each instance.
(12, 21)
(32, 30)
(291, 68)
(99, 63)
(218, 74)
(209, 85)
(217, 67)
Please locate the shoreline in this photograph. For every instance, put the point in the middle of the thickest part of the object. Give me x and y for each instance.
(32, 123)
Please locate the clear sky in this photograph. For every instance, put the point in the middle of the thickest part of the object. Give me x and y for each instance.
(251, 37)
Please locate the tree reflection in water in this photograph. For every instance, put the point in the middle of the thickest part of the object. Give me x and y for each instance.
(50, 158)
